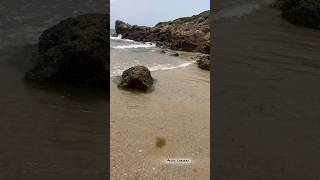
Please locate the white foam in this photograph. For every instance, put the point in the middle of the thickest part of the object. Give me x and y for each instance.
(160, 67)
(164, 67)
(119, 38)
(116, 38)
(135, 46)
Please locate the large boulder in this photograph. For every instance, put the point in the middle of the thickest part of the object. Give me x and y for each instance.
(303, 12)
(137, 77)
(74, 52)
(121, 27)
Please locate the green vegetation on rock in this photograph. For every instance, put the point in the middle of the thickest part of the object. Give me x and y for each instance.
(202, 16)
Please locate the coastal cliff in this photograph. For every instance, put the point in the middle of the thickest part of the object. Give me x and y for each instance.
(190, 34)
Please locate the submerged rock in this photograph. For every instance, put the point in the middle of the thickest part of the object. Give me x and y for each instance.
(303, 12)
(204, 62)
(184, 34)
(137, 77)
(175, 54)
(74, 52)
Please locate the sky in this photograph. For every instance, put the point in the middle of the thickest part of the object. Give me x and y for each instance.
(150, 12)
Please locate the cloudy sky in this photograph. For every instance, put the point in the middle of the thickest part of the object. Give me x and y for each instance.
(150, 12)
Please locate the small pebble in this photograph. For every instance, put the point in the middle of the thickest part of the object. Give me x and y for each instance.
(140, 151)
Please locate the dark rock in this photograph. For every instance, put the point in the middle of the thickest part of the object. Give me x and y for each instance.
(163, 51)
(185, 34)
(121, 27)
(74, 52)
(138, 33)
(175, 54)
(137, 77)
(204, 62)
(303, 12)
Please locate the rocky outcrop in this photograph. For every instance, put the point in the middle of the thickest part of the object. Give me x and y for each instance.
(75, 52)
(122, 27)
(204, 62)
(303, 12)
(137, 77)
(185, 34)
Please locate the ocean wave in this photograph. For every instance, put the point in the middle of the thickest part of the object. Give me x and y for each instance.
(163, 67)
(135, 46)
(159, 67)
(116, 38)
(119, 38)
(130, 44)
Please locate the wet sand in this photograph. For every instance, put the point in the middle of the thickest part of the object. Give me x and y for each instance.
(266, 99)
(177, 110)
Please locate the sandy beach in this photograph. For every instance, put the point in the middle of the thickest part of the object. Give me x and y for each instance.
(177, 110)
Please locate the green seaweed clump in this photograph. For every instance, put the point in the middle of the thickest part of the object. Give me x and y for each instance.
(160, 142)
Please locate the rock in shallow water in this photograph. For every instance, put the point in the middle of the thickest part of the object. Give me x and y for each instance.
(204, 62)
(74, 52)
(137, 77)
(175, 54)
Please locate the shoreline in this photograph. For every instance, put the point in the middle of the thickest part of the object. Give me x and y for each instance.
(189, 58)
(115, 36)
